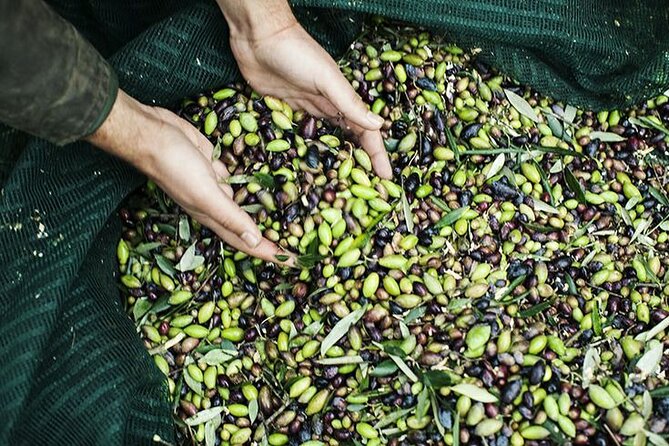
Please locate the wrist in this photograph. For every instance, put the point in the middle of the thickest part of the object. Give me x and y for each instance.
(124, 131)
(253, 20)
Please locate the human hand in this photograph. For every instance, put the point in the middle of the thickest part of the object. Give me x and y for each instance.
(178, 158)
(279, 58)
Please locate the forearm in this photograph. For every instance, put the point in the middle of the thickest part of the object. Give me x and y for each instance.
(256, 19)
(54, 84)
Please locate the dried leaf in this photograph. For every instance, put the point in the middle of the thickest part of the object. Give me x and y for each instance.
(520, 104)
(590, 365)
(474, 392)
(496, 166)
(607, 136)
(204, 415)
(341, 329)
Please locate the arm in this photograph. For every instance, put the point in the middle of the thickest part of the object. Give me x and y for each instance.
(57, 86)
(278, 57)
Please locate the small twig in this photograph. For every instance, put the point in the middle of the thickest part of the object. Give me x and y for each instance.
(168, 344)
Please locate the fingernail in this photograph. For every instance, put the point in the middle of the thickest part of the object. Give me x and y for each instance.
(375, 119)
(251, 239)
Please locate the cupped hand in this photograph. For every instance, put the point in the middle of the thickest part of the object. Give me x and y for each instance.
(178, 158)
(288, 63)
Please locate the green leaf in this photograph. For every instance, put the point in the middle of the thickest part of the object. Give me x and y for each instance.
(194, 385)
(423, 403)
(660, 392)
(650, 334)
(265, 180)
(452, 144)
(658, 195)
(512, 286)
(496, 166)
(574, 185)
(590, 365)
(555, 126)
(474, 392)
(162, 304)
(184, 228)
(238, 179)
(596, 319)
(384, 368)
(253, 208)
(436, 379)
(165, 265)
(144, 249)
(606, 136)
(451, 217)
(218, 356)
(414, 314)
(391, 418)
(167, 229)
(189, 261)
(308, 261)
(341, 329)
(404, 368)
(536, 309)
(569, 114)
(435, 414)
(141, 307)
(441, 204)
(216, 153)
(204, 415)
(456, 429)
(656, 439)
(544, 181)
(341, 360)
(253, 410)
(281, 257)
(520, 104)
(650, 361)
(210, 431)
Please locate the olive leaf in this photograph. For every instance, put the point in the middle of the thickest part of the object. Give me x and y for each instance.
(341, 329)
(414, 314)
(607, 136)
(190, 381)
(264, 179)
(596, 318)
(210, 431)
(436, 415)
(216, 153)
(391, 418)
(536, 309)
(520, 104)
(204, 415)
(650, 334)
(142, 306)
(539, 205)
(555, 126)
(456, 428)
(404, 367)
(165, 265)
(650, 361)
(569, 114)
(647, 407)
(341, 360)
(384, 368)
(451, 217)
(281, 257)
(184, 228)
(144, 249)
(659, 196)
(218, 356)
(474, 392)
(253, 208)
(189, 260)
(406, 210)
(656, 439)
(496, 166)
(436, 379)
(253, 410)
(423, 403)
(441, 204)
(574, 185)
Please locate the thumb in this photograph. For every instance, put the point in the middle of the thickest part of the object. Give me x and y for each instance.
(340, 93)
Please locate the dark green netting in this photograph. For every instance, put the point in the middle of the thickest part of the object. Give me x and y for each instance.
(73, 370)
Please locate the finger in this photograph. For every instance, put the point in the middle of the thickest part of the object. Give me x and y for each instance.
(226, 213)
(372, 142)
(347, 102)
(266, 250)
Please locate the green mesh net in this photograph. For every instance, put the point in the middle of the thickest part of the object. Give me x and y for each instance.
(73, 370)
